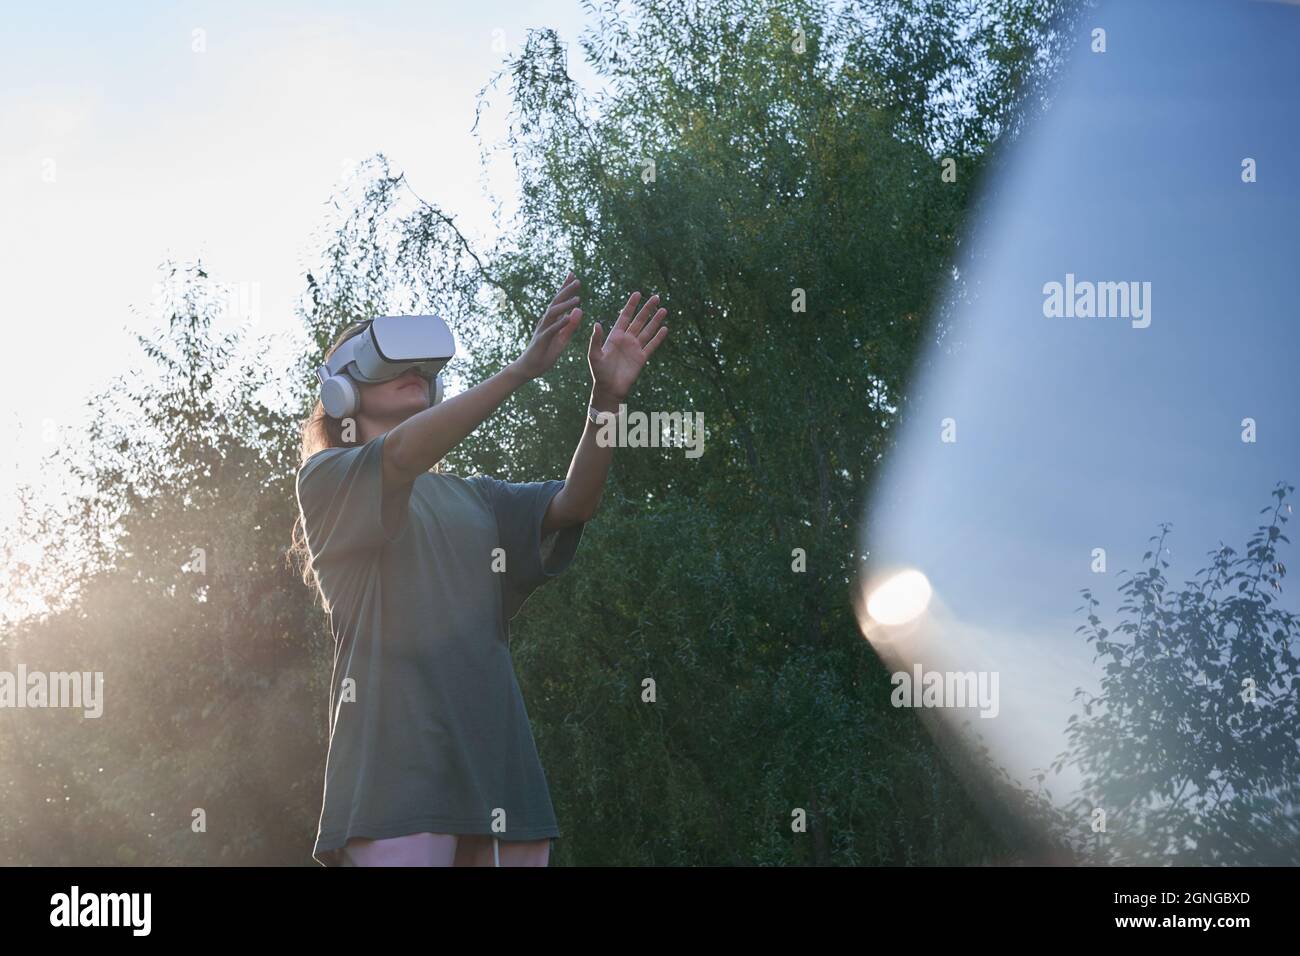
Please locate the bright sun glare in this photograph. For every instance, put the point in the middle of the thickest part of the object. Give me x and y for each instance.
(900, 599)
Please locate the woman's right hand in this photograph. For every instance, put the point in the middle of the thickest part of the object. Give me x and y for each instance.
(553, 332)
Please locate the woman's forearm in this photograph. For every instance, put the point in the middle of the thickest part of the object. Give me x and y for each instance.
(584, 485)
(421, 441)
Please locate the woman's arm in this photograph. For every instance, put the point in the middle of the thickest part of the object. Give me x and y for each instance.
(421, 441)
(615, 365)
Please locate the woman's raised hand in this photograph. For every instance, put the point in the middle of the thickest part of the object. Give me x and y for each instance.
(553, 331)
(616, 363)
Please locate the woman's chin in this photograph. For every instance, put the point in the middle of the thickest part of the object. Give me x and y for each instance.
(399, 408)
(414, 407)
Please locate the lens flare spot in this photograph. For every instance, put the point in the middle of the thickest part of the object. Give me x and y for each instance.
(900, 599)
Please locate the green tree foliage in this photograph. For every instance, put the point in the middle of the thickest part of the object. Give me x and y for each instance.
(747, 156)
(213, 662)
(1190, 746)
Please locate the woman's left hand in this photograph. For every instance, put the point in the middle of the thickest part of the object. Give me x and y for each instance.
(617, 361)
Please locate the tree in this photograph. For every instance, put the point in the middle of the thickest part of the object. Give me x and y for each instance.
(1190, 746)
(215, 662)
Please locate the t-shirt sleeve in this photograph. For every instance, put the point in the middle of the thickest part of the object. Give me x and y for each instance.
(531, 560)
(344, 506)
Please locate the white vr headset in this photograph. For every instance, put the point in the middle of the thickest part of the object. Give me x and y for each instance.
(390, 346)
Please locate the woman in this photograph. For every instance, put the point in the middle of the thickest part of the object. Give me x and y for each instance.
(431, 757)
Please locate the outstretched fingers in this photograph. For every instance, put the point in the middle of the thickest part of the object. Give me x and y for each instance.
(638, 323)
(558, 311)
(648, 330)
(563, 327)
(654, 342)
(625, 316)
(564, 300)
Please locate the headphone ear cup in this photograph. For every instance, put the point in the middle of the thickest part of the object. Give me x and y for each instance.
(339, 396)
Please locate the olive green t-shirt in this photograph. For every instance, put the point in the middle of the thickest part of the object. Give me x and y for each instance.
(427, 727)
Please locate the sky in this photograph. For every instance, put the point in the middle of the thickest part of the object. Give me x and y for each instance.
(215, 131)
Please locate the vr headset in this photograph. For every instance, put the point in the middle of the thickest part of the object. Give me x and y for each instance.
(390, 346)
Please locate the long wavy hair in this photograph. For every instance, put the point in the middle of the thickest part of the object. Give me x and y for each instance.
(319, 431)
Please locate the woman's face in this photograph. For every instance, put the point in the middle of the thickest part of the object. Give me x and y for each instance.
(397, 399)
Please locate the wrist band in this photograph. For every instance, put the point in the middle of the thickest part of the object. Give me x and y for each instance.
(592, 413)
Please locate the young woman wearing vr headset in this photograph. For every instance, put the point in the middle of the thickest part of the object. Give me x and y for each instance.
(431, 756)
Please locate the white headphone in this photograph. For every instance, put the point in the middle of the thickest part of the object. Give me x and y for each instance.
(341, 397)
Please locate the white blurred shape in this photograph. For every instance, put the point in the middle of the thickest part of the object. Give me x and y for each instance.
(901, 598)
